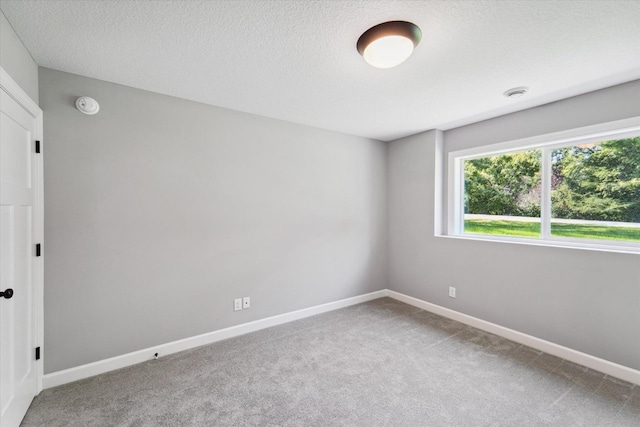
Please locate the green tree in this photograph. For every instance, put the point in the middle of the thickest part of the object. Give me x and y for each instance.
(597, 181)
(507, 184)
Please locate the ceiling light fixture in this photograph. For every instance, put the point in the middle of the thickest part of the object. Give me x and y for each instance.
(516, 92)
(389, 44)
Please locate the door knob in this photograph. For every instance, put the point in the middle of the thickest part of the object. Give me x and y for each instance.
(7, 294)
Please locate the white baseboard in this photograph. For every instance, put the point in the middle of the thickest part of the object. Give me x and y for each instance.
(91, 369)
(597, 364)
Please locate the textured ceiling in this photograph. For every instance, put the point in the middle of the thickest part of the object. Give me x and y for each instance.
(297, 60)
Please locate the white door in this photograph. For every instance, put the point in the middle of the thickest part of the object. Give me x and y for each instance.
(20, 216)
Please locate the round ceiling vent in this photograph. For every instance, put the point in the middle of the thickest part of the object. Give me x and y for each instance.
(516, 92)
(87, 105)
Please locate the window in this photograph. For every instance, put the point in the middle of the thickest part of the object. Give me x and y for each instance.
(577, 188)
(502, 194)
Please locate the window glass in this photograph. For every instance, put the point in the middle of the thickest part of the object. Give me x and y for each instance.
(502, 194)
(595, 190)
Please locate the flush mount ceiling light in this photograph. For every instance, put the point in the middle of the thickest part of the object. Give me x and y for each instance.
(389, 44)
(516, 92)
(87, 105)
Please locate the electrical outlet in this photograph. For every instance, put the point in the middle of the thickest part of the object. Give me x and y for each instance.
(237, 304)
(452, 292)
(246, 302)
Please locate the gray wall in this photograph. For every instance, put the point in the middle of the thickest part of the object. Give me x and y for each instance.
(16, 60)
(160, 211)
(585, 300)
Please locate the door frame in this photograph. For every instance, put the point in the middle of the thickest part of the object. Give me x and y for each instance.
(10, 87)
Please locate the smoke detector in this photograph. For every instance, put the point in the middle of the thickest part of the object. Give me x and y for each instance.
(516, 92)
(87, 105)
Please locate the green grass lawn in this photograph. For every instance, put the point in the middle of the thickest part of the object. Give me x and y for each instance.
(532, 229)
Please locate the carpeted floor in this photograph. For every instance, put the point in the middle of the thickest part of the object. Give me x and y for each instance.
(381, 363)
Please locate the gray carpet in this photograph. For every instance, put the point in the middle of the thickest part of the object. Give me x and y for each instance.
(381, 363)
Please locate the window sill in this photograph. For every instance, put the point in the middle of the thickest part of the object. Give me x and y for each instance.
(590, 246)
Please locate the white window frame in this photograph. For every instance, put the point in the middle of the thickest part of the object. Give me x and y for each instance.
(455, 183)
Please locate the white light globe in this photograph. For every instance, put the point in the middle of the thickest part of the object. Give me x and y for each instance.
(389, 51)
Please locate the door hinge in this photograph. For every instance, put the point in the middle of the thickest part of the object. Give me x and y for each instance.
(37, 146)
(38, 249)
(37, 353)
